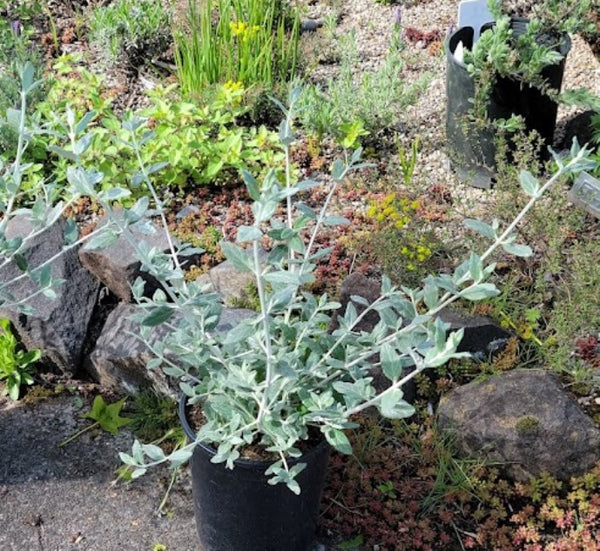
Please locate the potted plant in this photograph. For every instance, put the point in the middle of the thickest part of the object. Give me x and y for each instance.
(507, 81)
(281, 380)
(281, 384)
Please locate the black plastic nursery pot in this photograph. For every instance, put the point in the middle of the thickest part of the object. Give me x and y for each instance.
(237, 510)
(472, 148)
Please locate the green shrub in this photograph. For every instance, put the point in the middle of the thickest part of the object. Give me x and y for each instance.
(377, 100)
(73, 86)
(130, 30)
(201, 143)
(253, 42)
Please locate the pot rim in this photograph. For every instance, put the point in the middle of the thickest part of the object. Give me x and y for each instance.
(244, 463)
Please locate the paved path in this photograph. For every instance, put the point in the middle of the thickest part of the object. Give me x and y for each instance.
(64, 499)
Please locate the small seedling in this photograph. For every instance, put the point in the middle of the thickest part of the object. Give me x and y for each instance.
(106, 416)
(351, 134)
(387, 489)
(408, 160)
(354, 543)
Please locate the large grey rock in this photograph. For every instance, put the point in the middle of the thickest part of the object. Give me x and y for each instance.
(120, 357)
(482, 335)
(524, 419)
(118, 267)
(59, 326)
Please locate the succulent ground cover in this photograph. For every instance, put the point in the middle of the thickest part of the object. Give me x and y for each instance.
(405, 488)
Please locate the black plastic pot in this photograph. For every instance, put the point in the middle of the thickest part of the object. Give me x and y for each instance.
(237, 510)
(472, 149)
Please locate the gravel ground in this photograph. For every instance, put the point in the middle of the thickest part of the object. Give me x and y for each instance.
(372, 24)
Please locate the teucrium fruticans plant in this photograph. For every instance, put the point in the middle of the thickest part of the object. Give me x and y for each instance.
(275, 375)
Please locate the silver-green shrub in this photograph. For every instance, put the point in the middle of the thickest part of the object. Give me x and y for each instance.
(279, 374)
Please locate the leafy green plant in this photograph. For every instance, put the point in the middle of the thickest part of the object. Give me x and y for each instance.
(232, 41)
(39, 204)
(153, 415)
(351, 134)
(106, 416)
(154, 418)
(74, 86)
(200, 143)
(408, 160)
(278, 374)
(131, 31)
(555, 16)
(499, 52)
(16, 366)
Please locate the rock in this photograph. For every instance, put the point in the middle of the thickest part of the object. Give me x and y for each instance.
(310, 25)
(228, 281)
(524, 419)
(357, 284)
(59, 326)
(482, 335)
(119, 358)
(577, 126)
(117, 266)
(188, 210)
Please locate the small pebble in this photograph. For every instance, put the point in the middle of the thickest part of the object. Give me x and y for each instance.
(310, 25)
(187, 211)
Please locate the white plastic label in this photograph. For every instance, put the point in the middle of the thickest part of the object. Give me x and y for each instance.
(475, 14)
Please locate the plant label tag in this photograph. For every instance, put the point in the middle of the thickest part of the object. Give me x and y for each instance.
(586, 193)
(475, 14)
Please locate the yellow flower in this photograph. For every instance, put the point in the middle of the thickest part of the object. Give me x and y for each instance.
(233, 86)
(237, 27)
(232, 92)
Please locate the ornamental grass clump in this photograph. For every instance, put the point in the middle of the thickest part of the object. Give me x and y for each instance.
(284, 373)
(233, 41)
